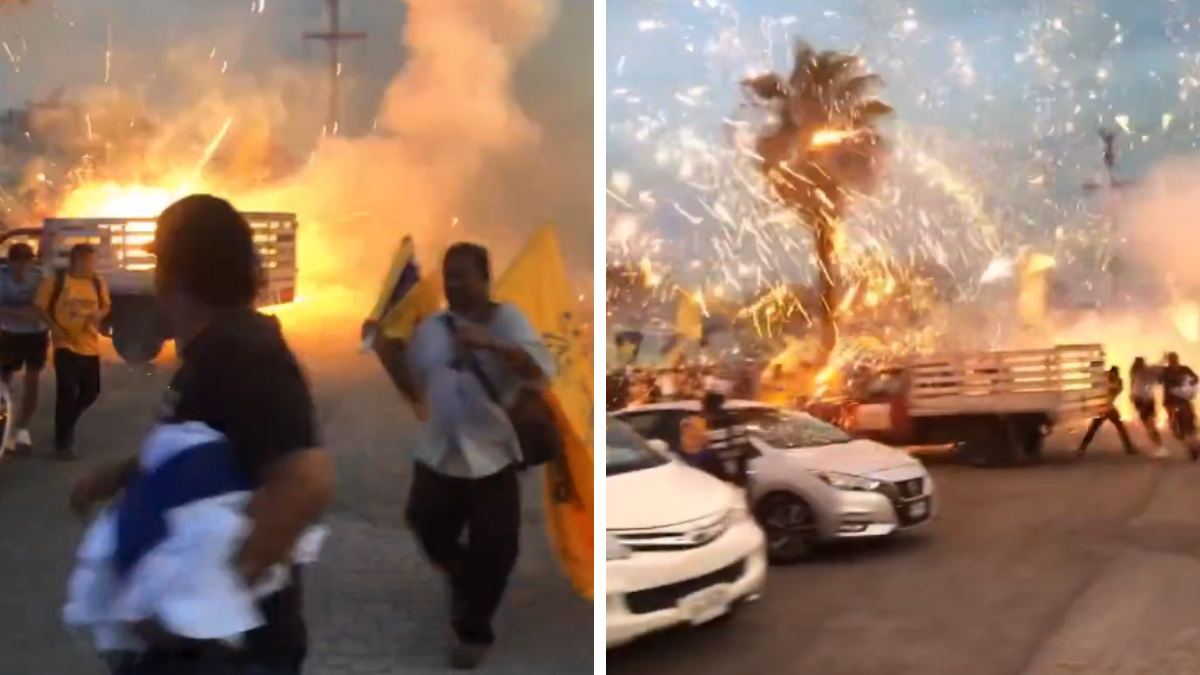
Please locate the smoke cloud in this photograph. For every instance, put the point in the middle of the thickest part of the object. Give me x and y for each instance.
(1160, 222)
(449, 110)
(465, 119)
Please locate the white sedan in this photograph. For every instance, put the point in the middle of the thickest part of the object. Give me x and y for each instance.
(810, 481)
(680, 545)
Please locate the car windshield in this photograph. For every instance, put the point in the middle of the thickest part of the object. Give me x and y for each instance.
(784, 429)
(626, 451)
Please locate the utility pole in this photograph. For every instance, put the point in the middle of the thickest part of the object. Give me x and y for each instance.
(334, 37)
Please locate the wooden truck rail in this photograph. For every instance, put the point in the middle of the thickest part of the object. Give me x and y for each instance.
(125, 261)
(1063, 382)
(994, 406)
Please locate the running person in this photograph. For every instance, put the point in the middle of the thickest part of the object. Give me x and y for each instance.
(1176, 379)
(23, 340)
(74, 302)
(1110, 414)
(1142, 379)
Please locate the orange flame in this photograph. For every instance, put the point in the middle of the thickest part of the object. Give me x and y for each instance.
(826, 137)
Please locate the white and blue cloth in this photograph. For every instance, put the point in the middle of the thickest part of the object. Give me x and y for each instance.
(165, 550)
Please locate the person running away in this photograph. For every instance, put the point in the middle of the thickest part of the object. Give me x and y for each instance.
(1142, 380)
(464, 505)
(74, 302)
(24, 342)
(1110, 414)
(239, 377)
(1179, 382)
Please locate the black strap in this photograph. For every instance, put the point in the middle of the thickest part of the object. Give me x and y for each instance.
(60, 277)
(472, 364)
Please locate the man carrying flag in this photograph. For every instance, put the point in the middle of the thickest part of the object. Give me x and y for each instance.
(467, 365)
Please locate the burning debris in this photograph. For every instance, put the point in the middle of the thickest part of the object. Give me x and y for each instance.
(822, 146)
(998, 221)
(204, 118)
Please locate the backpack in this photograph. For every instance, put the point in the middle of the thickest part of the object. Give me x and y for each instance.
(60, 280)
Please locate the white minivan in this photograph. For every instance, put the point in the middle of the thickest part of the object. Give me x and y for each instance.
(681, 546)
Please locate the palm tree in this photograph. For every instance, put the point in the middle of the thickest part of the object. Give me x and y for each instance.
(821, 147)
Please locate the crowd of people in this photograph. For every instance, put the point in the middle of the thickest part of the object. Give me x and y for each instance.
(1178, 383)
(635, 385)
(66, 310)
(238, 449)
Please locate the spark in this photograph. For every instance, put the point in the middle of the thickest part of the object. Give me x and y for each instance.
(11, 56)
(214, 145)
(826, 137)
(108, 53)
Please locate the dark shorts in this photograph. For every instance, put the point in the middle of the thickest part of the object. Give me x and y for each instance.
(23, 350)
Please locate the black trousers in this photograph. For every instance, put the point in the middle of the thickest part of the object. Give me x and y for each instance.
(440, 509)
(1110, 416)
(77, 381)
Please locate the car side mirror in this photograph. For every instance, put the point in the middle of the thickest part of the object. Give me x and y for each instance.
(660, 446)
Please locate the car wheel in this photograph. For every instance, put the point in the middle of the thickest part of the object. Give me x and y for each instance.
(790, 526)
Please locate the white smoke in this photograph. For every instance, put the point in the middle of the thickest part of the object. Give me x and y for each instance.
(449, 110)
(1160, 223)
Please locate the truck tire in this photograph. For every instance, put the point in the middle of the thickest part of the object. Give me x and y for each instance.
(135, 346)
(1007, 442)
(136, 331)
(984, 441)
(1034, 438)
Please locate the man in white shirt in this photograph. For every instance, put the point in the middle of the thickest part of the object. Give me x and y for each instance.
(467, 365)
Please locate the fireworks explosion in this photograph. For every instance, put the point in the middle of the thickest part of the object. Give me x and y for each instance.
(227, 107)
(1000, 218)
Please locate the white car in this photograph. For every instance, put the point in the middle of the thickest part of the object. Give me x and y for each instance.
(680, 545)
(810, 482)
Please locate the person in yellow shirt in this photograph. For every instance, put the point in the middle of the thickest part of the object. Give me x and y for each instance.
(74, 303)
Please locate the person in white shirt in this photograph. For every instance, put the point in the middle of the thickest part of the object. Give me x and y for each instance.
(466, 363)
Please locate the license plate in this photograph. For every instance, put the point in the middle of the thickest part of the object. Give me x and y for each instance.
(706, 605)
(918, 510)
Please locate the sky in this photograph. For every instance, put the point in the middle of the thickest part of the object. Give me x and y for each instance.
(1006, 95)
(171, 51)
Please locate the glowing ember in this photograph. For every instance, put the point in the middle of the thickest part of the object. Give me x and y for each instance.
(1186, 316)
(113, 199)
(826, 137)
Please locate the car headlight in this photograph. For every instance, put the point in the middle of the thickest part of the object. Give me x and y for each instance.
(615, 550)
(845, 481)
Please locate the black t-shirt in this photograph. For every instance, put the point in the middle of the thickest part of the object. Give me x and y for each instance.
(728, 446)
(240, 378)
(1175, 376)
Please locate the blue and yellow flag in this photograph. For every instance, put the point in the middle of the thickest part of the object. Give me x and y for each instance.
(406, 298)
(401, 277)
(536, 282)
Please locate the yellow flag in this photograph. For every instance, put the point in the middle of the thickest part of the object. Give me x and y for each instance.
(1033, 288)
(422, 301)
(536, 282)
(401, 262)
(689, 317)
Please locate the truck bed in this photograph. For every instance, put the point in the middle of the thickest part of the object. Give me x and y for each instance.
(1063, 382)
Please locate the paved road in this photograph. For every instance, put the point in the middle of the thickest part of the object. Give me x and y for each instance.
(374, 605)
(1068, 567)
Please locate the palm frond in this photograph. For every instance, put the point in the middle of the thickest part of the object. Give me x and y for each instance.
(869, 111)
(765, 87)
(859, 86)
